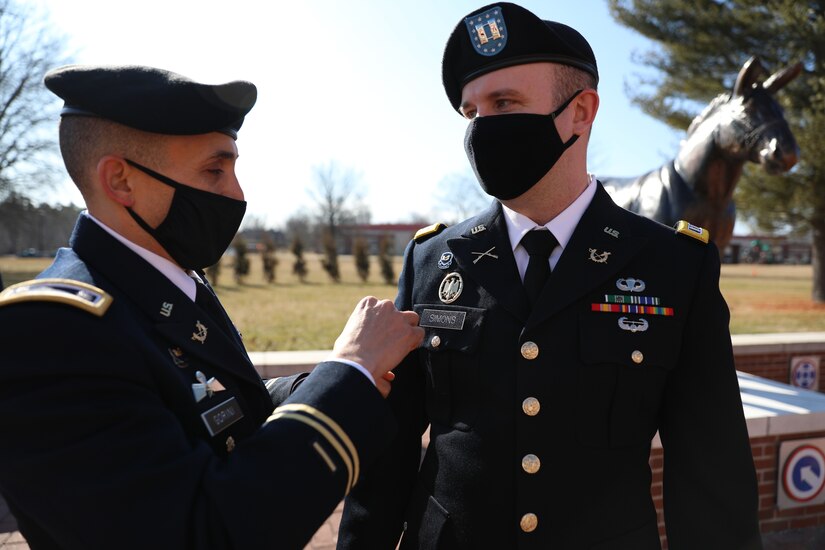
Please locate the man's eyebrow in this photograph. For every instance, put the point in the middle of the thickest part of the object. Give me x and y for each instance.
(496, 94)
(224, 155)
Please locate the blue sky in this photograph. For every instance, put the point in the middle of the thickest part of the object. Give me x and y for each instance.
(357, 83)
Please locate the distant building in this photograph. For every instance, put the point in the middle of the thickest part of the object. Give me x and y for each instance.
(399, 234)
(768, 249)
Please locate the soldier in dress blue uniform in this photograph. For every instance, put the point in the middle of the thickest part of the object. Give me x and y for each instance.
(130, 413)
(543, 389)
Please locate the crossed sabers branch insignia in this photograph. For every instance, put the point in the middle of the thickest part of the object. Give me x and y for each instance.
(482, 254)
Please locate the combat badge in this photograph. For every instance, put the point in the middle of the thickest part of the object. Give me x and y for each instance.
(450, 288)
(633, 325)
(630, 284)
(445, 261)
(488, 31)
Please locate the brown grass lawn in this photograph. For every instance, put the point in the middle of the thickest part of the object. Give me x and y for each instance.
(288, 315)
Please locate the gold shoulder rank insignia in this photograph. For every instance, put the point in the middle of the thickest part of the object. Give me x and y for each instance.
(426, 232)
(698, 233)
(64, 291)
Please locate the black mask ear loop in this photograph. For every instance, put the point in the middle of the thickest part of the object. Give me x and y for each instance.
(161, 178)
(559, 111)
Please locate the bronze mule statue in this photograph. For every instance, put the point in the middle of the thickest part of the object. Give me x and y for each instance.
(697, 186)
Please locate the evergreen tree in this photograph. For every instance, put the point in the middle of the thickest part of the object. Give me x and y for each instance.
(213, 272)
(701, 45)
(241, 259)
(361, 256)
(299, 266)
(330, 259)
(268, 258)
(385, 260)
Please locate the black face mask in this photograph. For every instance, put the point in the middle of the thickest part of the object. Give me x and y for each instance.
(199, 226)
(511, 153)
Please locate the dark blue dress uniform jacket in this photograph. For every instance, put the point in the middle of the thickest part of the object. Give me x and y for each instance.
(104, 444)
(550, 451)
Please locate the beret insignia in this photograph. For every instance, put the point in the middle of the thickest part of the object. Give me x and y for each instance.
(63, 291)
(487, 31)
(426, 232)
(698, 233)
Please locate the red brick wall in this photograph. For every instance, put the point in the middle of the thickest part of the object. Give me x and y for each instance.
(765, 457)
(775, 366)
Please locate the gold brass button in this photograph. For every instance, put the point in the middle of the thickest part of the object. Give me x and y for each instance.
(529, 522)
(230, 444)
(529, 350)
(530, 464)
(531, 406)
(435, 341)
(637, 357)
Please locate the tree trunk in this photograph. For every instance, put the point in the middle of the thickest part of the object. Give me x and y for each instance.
(818, 261)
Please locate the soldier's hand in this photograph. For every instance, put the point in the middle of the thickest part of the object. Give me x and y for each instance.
(378, 336)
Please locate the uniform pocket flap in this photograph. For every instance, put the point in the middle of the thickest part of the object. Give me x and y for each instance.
(629, 340)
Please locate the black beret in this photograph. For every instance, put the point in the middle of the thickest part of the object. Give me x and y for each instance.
(504, 34)
(152, 100)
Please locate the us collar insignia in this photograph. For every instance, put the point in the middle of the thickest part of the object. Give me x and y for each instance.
(477, 229)
(488, 32)
(200, 332)
(450, 288)
(482, 254)
(633, 325)
(630, 284)
(612, 232)
(598, 257)
(445, 261)
(166, 309)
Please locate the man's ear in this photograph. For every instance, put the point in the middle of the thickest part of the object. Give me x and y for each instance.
(586, 105)
(113, 175)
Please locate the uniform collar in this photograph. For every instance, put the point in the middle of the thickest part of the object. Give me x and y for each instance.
(176, 275)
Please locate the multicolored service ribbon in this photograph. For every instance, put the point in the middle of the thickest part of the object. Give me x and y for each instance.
(629, 308)
(622, 299)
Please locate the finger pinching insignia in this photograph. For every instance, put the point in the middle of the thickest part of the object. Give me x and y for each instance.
(450, 288)
(630, 285)
(205, 388)
(633, 325)
(445, 261)
(599, 257)
(200, 332)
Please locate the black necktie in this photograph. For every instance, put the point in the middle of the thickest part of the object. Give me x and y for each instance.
(208, 302)
(538, 244)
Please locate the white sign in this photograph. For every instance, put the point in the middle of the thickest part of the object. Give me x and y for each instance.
(805, 372)
(801, 473)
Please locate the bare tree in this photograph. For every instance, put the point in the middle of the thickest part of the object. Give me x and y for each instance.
(460, 196)
(29, 47)
(361, 255)
(299, 267)
(337, 195)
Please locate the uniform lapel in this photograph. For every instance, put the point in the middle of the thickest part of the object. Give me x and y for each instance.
(601, 245)
(474, 252)
(174, 315)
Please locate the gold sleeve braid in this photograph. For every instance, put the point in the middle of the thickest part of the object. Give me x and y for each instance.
(329, 430)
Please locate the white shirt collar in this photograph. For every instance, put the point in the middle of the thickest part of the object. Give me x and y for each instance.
(177, 275)
(562, 226)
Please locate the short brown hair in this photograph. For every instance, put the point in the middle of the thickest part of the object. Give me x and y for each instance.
(84, 140)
